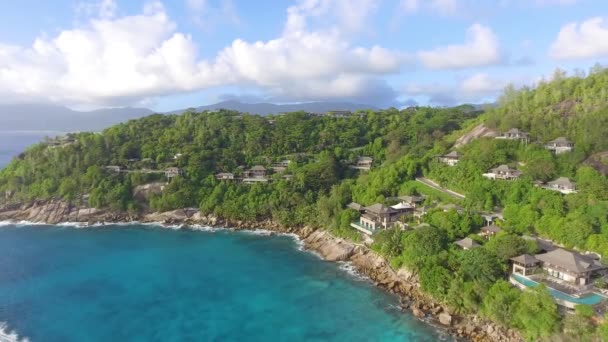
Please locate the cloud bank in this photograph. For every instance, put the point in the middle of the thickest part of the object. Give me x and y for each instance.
(118, 60)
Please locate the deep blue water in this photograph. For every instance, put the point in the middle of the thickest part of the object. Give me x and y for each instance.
(14, 142)
(141, 283)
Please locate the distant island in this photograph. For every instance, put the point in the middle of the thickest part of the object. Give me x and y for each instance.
(49, 117)
(500, 213)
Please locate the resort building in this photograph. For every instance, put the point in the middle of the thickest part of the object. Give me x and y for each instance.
(173, 172)
(403, 208)
(515, 134)
(503, 172)
(375, 217)
(115, 168)
(560, 145)
(412, 200)
(568, 275)
(356, 206)
(363, 163)
(451, 158)
(257, 171)
(524, 264)
(339, 113)
(489, 231)
(256, 174)
(280, 166)
(563, 185)
(467, 243)
(224, 176)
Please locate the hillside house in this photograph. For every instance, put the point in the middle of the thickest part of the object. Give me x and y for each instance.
(356, 206)
(363, 163)
(256, 174)
(403, 208)
(173, 172)
(562, 265)
(412, 200)
(280, 166)
(467, 243)
(560, 145)
(339, 113)
(375, 217)
(514, 134)
(227, 176)
(563, 185)
(115, 168)
(503, 172)
(451, 158)
(257, 171)
(489, 231)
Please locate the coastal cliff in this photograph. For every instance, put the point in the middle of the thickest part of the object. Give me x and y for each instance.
(402, 283)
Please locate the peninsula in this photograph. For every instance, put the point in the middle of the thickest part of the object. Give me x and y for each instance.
(494, 221)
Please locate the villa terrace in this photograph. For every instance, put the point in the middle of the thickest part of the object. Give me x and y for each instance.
(569, 275)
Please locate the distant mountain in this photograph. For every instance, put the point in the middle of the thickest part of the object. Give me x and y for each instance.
(270, 108)
(46, 117)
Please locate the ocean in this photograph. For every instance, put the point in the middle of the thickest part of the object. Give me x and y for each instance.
(14, 142)
(147, 283)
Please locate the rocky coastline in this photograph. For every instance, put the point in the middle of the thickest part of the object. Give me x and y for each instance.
(402, 283)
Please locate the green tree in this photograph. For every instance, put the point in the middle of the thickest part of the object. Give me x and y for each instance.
(501, 302)
(536, 313)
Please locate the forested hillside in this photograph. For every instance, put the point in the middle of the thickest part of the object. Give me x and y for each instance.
(203, 144)
(574, 106)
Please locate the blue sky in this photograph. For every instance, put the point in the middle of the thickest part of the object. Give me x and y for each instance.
(174, 54)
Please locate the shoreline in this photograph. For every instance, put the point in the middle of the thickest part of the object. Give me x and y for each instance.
(361, 259)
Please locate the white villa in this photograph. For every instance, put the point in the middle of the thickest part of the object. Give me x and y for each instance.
(563, 185)
(451, 158)
(514, 134)
(570, 267)
(375, 217)
(568, 274)
(503, 172)
(560, 145)
(363, 163)
(224, 176)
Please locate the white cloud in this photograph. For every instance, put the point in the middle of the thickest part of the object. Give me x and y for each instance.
(478, 87)
(409, 6)
(556, 2)
(480, 48)
(104, 9)
(207, 14)
(481, 84)
(443, 7)
(588, 39)
(125, 60)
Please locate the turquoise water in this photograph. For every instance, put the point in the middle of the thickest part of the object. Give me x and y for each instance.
(591, 299)
(140, 283)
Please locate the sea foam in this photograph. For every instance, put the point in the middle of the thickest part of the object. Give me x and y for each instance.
(6, 335)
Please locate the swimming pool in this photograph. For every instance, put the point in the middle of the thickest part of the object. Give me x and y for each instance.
(590, 299)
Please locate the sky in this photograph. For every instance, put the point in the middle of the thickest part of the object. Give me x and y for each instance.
(168, 55)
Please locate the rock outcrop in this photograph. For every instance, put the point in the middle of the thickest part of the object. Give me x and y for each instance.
(480, 131)
(143, 192)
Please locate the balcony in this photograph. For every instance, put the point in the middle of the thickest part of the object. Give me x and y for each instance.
(365, 230)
